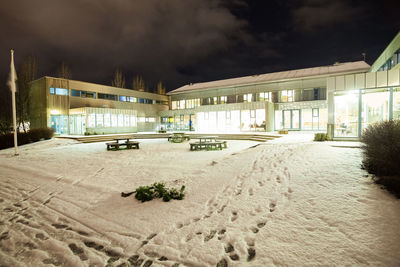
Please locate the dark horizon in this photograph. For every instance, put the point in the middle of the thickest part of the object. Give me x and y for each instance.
(180, 42)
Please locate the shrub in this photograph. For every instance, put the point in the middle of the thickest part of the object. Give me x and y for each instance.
(320, 137)
(158, 190)
(34, 135)
(381, 149)
(46, 133)
(381, 153)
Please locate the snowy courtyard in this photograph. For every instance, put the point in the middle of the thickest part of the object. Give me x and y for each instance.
(289, 201)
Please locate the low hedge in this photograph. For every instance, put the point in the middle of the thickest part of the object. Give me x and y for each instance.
(34, 135)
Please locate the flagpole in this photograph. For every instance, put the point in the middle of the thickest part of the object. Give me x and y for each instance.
(13, 89)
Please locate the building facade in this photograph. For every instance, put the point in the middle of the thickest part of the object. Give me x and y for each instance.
(290, 100)
(75, 107)
(341, 99)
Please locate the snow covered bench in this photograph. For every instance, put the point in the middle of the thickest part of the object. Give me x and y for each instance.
(117, 146)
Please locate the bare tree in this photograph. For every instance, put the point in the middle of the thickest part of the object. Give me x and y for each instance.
(26, 74)
(138, 84)
(119, 79)
(160, 88)
(64, 71)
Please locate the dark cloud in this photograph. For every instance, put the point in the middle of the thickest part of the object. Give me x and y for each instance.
(313, 15)
(182, 41)
(153, 38)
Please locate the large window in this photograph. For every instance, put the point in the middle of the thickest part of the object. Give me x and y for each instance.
(375, 107)
(59, 91)
(107, 96)
(396, 104)
(264, 96)
(346, 115)
(248, 98)
(286, 96)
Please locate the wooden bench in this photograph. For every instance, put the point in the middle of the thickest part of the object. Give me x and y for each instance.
(208, 145)
(178, 138)
(117, 146)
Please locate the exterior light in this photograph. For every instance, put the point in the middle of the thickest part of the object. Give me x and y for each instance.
(54, 112)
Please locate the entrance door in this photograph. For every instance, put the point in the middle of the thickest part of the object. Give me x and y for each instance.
(291, 119)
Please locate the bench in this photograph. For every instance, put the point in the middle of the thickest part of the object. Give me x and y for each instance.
(208, 145)
(117, 146)
(178, 138)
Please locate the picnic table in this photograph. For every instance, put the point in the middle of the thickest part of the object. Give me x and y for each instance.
(208, 143)
(178, 137)
(122, 142)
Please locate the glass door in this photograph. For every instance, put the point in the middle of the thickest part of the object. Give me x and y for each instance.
(291, 119)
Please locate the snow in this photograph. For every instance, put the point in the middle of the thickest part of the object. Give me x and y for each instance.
(291, 201)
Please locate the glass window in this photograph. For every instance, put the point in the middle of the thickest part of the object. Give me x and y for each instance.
(278, 120)
(142, 119)
(126, 121)
(107, 96)
(307, 119)
(92, 120)
(120, 120)
(247, 98)
(107, 120)
(52, 90)
(286, 96)
(346, 115)
(223, 99)
(174, 104)
(61, 91)
(133, 121)
(151, 119)
(260, 120)
(75, 92)
(122, 98)
(182, 104)
(396, 103)
(215, 100)
(375, 106)
(99, 120)
(114, 120)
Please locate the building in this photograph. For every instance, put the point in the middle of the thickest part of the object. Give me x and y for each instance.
(357, 100)
(74, 107)
(341, 99)
(292, 100)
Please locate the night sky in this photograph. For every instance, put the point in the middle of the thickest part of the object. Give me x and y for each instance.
(184, 41)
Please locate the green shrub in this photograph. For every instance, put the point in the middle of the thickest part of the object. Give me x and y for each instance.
(158, 190)
(381, 148)
(320, 137)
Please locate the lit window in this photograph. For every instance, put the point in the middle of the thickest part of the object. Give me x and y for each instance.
(174, 104)
(182, 104)
(142, 119)
(61, 91)
(223, 99)
(52, 90)
(152, 119)
(122, 98)
(215, 100)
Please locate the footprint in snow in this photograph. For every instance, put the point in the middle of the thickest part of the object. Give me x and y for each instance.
(78, 251)
(272, 206)
(234, 216)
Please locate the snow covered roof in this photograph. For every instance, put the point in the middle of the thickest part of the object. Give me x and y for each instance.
(357, 66)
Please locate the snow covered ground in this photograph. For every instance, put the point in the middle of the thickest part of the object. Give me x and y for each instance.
(289, 202)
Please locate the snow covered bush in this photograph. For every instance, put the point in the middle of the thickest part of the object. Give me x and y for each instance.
(381, 151)
(158, 190)
(382, 148)
(320, 137)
